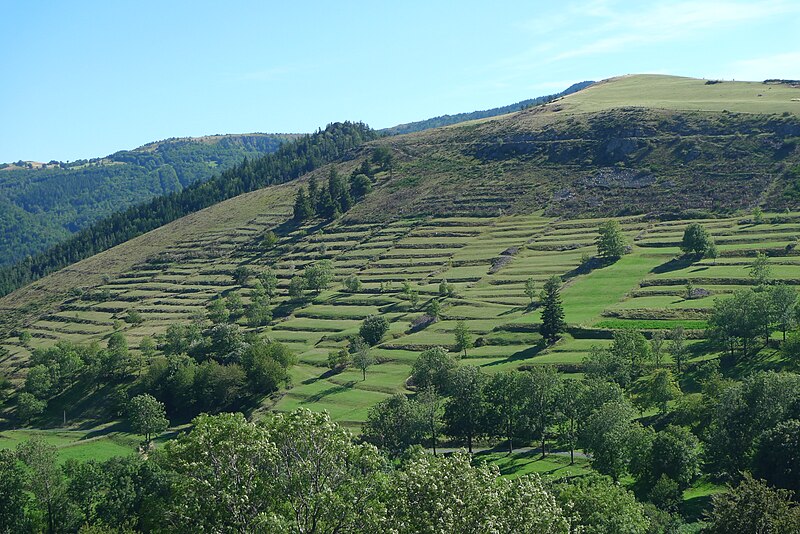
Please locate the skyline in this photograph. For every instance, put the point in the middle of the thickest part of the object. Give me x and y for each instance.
(88, 79)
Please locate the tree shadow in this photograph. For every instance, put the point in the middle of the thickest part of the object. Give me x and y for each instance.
(527, 309)
(118, 426)
(287, 307)
(524, 354)
(594, 263)
(694, 509)
(324, 376)
(675, 264)
(330, 391)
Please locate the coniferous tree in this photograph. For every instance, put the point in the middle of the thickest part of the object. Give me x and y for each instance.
(553, 322)
(302, 206)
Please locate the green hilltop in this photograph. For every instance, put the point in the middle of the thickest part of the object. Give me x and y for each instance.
(656, 91)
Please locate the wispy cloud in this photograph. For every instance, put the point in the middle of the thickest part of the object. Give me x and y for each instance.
(617, 28)
(598, 27)
(786, 65)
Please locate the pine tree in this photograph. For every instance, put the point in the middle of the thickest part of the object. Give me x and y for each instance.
(302, 206)
(552, 311)
(326, 207)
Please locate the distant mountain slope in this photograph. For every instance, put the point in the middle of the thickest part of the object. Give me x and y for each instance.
(43, 204)
(447, 120)
(290, 161)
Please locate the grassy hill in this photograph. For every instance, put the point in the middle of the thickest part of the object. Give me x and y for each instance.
(484, 205)
(644, 290)
(447, 120)
(43, 204)
(684, 94)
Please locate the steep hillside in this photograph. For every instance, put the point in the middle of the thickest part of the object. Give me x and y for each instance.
(290, 161)
(41, 205)
(628, 145)
(485, 206)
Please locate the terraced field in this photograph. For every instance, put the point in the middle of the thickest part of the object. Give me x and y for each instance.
(487, 259)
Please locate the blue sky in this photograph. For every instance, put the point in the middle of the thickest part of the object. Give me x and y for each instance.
(87, 78)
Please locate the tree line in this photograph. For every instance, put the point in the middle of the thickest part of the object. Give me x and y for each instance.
(207, 365)
(331, 201)
(41, 207)
(300, 472)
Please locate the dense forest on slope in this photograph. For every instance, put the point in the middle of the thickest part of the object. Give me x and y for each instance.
(292, 159)
(41, 205)
(447, 120)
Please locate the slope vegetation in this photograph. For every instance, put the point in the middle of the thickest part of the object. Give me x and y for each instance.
(45, 204)
(484, 206)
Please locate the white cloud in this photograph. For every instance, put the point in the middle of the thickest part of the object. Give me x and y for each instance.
(785, 65)
(617, 27)
(596, 36)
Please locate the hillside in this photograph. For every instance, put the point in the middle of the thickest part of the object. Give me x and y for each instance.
(447, 120)
(410, 287)
(685, 94)
(90, 234)
(46, 203)
(436, 215)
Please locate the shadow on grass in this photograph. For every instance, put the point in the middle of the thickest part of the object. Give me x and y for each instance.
(330, 391)
(512, 463)
(287, 307)
(694, 509)
(675, 264)
(118, 426)
(524, 354)
(324, 376)
(594, 263)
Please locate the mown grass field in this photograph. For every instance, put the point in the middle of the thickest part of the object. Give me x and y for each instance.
(75, 444)
(486, 259)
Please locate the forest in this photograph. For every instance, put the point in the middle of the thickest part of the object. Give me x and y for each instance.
(40, 207)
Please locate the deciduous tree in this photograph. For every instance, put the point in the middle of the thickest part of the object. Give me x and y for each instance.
(147, 416)
(610, 241)
(463, 337)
